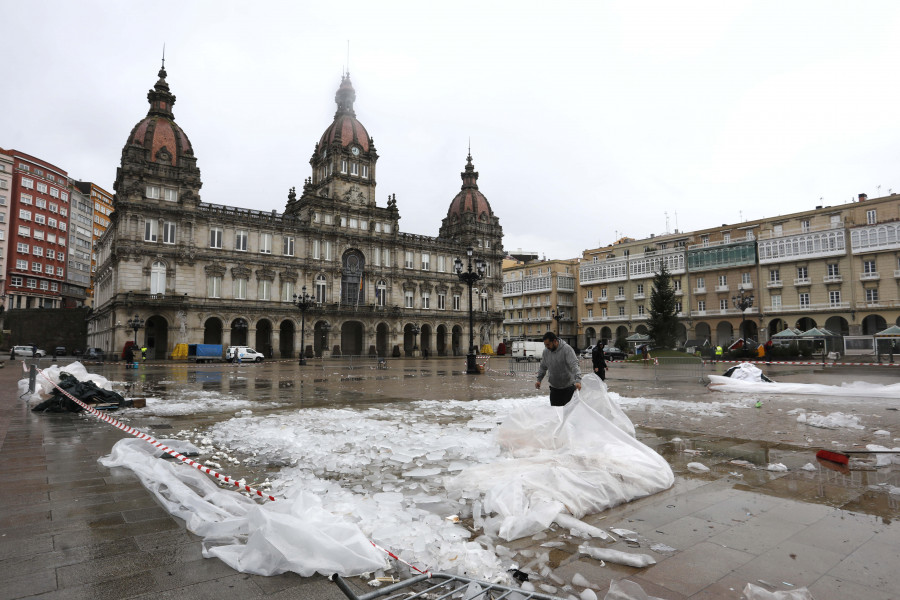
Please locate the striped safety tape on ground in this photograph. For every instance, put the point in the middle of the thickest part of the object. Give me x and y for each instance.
(156, 443)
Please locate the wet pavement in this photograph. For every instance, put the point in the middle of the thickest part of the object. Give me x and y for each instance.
(70, 528)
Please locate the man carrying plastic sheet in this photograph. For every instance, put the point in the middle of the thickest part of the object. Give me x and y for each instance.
(565, 373)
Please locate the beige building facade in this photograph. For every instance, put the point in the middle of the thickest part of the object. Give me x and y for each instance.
(836, 267)
(196, 272)
(540, 296)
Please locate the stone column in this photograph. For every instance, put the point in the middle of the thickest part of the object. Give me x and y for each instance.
(276, 342)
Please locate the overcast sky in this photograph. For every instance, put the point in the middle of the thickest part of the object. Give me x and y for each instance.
(588, 120)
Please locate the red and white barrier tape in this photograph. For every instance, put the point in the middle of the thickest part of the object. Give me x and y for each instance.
(797, 362)
(154, 442)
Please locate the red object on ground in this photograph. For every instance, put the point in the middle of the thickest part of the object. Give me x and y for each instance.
(836, 457)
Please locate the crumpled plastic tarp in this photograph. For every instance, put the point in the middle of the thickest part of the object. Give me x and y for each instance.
(754, 592)
(581, 458)
(86, 391)
(292, 534)
(49, 376)
(746, 372)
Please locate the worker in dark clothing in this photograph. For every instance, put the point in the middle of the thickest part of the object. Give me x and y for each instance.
(598, 360)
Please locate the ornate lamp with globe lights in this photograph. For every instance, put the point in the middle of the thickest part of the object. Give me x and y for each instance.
(135, 323)
(303, 301)
(742, 303)
(557, 315)
(470, 275)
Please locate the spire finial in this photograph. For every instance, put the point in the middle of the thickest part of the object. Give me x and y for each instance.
(164, 57)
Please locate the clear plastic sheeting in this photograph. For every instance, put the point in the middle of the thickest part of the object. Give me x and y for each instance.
(746, 372)
(754, 592)
(720, 383)
(572, 458)
(382, 472)
(293, 534)
(624, 589)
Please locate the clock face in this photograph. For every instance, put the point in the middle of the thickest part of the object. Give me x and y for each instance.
(355, 151)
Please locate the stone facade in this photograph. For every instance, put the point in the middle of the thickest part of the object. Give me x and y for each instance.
(836, 267)
(535, 293)
(197, 272)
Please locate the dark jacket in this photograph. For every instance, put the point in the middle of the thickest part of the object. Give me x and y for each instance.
(597, 357)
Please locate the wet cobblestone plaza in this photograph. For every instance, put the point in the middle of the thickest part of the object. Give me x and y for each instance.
(70, 528)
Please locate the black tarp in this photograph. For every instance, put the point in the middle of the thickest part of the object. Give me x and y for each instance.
(86, 391)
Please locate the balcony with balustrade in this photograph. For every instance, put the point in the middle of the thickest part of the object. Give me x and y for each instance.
(812, 307)
(805, 245)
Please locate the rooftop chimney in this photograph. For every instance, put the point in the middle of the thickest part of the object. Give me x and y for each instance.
(863, 197)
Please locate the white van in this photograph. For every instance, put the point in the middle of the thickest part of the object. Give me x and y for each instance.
(530, 351)
(244, 353)
(26, 351)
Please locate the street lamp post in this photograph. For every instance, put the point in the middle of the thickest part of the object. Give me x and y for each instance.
(742, 303)
(469, 276)
(414, 330)
(303, 302)
(135, 323)
(558, 316)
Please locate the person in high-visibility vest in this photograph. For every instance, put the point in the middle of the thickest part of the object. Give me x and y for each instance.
(719, 352)
(143, 352)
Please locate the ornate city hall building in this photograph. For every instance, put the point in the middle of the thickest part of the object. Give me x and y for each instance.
(196, 272)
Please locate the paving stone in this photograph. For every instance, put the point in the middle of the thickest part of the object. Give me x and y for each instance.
(695, 568)
(831, 587)
(798, 564)
(235, 587)
(22, 584)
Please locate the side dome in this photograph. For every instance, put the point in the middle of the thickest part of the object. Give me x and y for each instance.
(158, 162)
(157, 133)
(345, 129)
(469, 199)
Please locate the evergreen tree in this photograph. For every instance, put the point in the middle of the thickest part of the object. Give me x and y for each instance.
(663, 321)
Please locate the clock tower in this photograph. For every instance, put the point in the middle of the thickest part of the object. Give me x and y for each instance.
(343, 162)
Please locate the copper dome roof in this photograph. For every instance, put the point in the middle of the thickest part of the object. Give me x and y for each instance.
(157, 132)
(469, 199)
(345, 128)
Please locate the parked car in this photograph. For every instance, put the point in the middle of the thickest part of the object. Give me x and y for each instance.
(26, 352)
(245, 353)
(95, 354)
(59, 351)
(613, 353)
(587, 352)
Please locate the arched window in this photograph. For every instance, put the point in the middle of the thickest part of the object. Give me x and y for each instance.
(352, 282)
(158, 278)
(320, 288)
(380, 293)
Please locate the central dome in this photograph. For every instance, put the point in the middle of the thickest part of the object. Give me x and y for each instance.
(345, 129)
